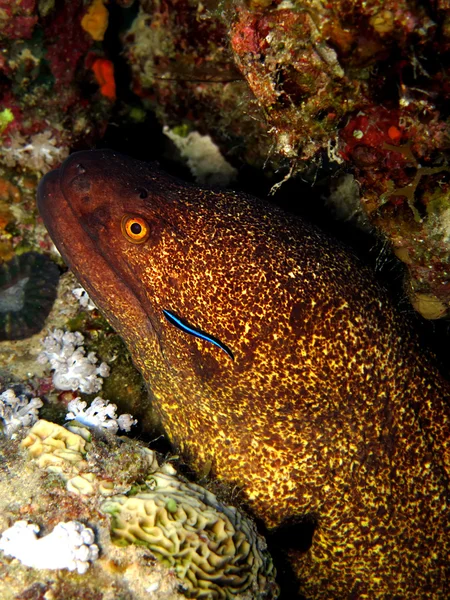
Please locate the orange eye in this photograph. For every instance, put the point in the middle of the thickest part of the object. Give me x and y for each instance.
(135, 229)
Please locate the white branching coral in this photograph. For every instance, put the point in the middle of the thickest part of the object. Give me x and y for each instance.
(69, 546)
(73, 369)
(39, 152)
(17, 412)
(83, 298)
(99, 414)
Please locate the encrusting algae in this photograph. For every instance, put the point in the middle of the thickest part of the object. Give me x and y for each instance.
(327, 416)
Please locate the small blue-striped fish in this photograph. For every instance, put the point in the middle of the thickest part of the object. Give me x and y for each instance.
(181, 324)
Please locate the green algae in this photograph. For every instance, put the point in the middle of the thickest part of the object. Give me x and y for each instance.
(6, 117)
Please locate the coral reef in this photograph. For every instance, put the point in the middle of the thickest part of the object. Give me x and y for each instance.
(50, 102)
(60, 485)
(401, 165)
(63, 450)
(100, 413)
(203, 157)
(28, 284)
(19, 363)
(48, 50)
(18, 358)
(299, 84)
(17, 412)
(17, 19)
(72, 368)
(83, 298)
(32, 492)
(184, 71)
(46, 440)
(214, 550)
(288, 85)
(40, 152)
(285, 86)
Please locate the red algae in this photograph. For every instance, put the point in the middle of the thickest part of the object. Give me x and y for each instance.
(104, 74)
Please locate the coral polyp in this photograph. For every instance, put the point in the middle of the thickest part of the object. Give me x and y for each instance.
(28, 286)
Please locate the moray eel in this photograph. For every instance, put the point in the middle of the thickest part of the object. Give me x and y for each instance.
(330, 418)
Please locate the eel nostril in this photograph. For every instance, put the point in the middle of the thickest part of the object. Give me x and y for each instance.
(81, 185)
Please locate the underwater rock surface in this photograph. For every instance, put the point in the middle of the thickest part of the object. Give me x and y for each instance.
(330, 417)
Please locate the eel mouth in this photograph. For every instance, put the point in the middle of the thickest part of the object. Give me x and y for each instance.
(106, 286)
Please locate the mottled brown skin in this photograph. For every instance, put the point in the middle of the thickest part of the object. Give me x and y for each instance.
(328, 412)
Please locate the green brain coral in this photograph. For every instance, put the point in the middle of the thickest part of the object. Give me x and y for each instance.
(215, 551)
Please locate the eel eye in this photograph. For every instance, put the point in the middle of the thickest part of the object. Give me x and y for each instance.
(135, 229)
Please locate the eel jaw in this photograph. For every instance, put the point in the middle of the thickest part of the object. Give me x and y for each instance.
(103, 283)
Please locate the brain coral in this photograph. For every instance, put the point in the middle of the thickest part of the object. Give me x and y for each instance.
(54, 447)
(213, 548)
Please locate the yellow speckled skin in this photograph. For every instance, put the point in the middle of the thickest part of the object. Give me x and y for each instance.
(328, 412)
